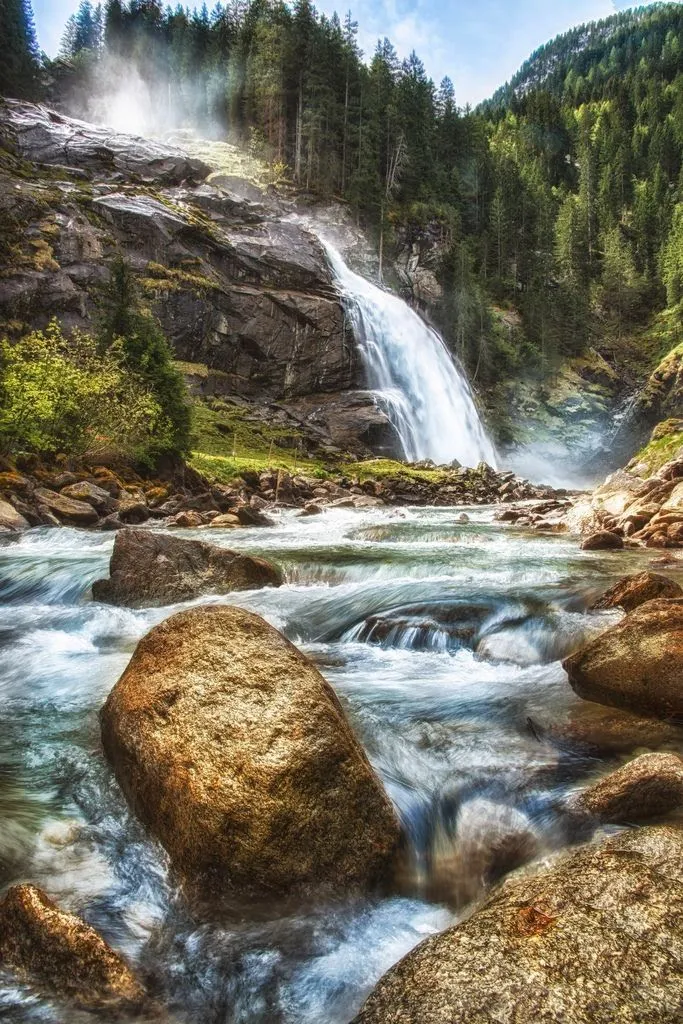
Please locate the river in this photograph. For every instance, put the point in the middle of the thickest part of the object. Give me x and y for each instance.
(443, 640)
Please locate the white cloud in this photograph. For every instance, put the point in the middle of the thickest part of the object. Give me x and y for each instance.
(478, 45)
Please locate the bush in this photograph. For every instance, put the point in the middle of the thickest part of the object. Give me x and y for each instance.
(125, 322)
(59, 395)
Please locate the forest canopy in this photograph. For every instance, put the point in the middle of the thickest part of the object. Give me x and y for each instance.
(561, 196)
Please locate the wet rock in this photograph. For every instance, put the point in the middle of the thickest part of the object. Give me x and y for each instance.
(488, 840)
(252, 517)
(647, 787)
(311, 509)
(226, 521)
(46, 517)
(47, 137)
(186, 520)
(90, 493)
(10, 520)
(78, 513)
(609, 731)
(61, 952)
(604, 540)
(594, 939)
(109, 523)
(637, 664)
(153, 569)
(236, 753)
(632, 591)
(133, 512)
(352, 420)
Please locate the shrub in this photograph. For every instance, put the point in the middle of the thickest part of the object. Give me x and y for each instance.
(145, 351)
(65, 395)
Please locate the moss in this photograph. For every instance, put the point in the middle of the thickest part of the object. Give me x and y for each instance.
(41, 255)
(375, 469)
(660, 450)
(193, 369)
(228, 440)
(664, 389)
(159, 278)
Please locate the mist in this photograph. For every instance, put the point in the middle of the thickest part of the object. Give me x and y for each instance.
(117, 93)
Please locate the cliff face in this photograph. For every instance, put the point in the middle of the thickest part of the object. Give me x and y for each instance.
(236, 286)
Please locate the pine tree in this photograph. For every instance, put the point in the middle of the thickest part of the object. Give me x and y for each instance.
(672, 259)
(19, 65)
(124, 321)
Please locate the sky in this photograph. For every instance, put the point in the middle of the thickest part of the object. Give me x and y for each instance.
(479, 44)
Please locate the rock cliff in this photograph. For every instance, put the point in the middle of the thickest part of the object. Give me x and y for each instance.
(236, 285)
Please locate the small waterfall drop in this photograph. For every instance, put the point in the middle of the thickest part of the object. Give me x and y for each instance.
(417, 383)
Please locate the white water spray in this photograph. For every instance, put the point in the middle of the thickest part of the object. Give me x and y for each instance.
(427, 399)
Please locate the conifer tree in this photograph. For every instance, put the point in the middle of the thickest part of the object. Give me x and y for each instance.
(19, 65)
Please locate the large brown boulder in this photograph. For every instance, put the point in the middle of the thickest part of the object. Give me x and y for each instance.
(632, 591)
(10, 520)
(647, 787)
(152, 569)
(237, 755)
(596, 939)
(637, 664)
(68, 510)
(59, 951)
(89, 493)
(605, 540)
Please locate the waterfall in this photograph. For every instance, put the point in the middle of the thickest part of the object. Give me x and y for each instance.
(414, 377)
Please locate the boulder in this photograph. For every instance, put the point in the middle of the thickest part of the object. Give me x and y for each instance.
(187, 520)
(610, 732)
(674, 503)
(647, 787)
(311, 508)
(67, 510)
(133, 512)
(90, 493)
(152, 569)
(617, 492)
(632, 591)
(236, 754)
(353, 420)
(47, 137)
(637, 664)
(10, 519)
(61, 952)
(595, 939)
(604, 540)
(225, 521)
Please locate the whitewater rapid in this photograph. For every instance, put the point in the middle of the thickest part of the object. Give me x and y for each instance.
(443, 641)
(416, 381)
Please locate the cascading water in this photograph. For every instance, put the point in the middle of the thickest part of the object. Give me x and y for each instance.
(443, 640)
(426, 398)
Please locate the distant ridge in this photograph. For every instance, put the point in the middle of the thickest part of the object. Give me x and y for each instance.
(582, 61)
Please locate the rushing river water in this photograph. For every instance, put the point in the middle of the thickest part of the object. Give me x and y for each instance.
(442, 639)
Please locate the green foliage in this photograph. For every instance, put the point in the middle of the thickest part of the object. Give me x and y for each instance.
(672, 259)
(661, 449)
(59, 395)
(227, 439)
(146, 353)
(19, 66)
(557, 197)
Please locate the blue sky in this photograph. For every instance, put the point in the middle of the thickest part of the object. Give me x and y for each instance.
(478, 43)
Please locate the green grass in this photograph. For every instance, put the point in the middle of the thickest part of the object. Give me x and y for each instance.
(376, 469)
(228, 441)
(660, 451)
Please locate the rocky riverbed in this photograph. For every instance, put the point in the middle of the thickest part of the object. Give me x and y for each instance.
(385, 723)
(99, 498)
